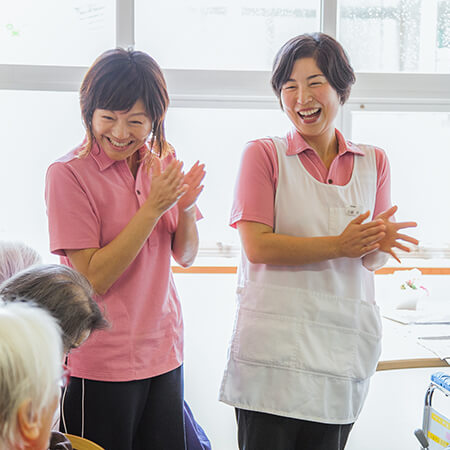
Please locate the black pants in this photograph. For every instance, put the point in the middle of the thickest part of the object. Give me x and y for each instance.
(261, 431)
(132, 415)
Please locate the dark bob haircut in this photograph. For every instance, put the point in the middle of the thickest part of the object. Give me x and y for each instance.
(329, 55)
(115, 82)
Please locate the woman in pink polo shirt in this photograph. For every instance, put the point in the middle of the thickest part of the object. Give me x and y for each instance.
(119, 206)
(312, 210)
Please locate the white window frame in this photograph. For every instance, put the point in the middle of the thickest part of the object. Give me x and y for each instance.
(405, 93)
(246, 89)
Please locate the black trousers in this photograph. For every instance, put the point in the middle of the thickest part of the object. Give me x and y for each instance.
(261, 431)
(131, 415)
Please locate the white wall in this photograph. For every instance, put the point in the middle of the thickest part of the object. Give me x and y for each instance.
(393, 408)
(208, 308)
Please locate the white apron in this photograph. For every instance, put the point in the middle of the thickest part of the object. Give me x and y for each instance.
(307, 338)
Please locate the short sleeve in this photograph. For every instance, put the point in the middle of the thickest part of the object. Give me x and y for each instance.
(375, 260)
(255, 187)
(72, 219)
(383, 195)
(58, 441)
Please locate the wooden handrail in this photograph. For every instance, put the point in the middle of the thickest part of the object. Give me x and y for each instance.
(415, 363)
(383, 271)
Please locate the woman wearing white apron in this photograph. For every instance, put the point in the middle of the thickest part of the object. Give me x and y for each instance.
(312, 210)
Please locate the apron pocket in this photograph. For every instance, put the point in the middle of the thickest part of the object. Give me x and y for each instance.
(340, 352)
(307, 331)
(284, 342)
(265, 338)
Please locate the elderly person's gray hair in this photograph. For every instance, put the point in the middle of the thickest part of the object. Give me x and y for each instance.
(30, 365)
(64, 292)
(15, 256)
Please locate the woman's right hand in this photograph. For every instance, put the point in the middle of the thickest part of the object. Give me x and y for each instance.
(360, 238)
(166, 188)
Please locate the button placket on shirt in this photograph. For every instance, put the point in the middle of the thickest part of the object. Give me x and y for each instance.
(138, 186)
(139, 192)
(330, 178)
(135, 184)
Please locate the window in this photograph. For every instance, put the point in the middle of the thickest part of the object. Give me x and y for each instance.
(219, 34)
(396, 35)
(218, 142)
(216, 56)
(44, 32)
(39, 128)
(414, 142)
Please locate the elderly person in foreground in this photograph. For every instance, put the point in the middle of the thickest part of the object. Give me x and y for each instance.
(67, 295)
(30, 372)
(62, 291)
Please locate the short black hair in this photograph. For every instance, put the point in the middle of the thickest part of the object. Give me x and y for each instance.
(329, 55)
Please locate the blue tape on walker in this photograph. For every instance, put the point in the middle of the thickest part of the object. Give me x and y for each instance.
(441, 379)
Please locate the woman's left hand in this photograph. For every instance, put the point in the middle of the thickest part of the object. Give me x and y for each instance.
(390, 241)
(192, 179)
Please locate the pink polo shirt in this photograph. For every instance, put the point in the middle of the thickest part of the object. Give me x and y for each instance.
(89, 201)
(257, 178)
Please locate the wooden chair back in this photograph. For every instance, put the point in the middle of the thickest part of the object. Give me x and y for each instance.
(79, 443)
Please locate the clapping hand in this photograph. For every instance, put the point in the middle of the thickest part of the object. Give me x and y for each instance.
(192, 180)
(360, 238)
(392, 235)
(167, 186)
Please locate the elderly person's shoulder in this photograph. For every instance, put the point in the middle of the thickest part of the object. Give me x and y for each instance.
(58, 441)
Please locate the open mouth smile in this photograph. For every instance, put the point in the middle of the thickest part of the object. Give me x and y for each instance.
(119, 144)
(310, 114)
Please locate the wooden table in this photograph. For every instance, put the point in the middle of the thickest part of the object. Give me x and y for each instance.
(401, 349)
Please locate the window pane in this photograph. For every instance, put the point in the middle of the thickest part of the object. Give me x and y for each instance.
(419, 166)
(217, 138)
(396, 35)
(219, 34)
(39, 128)
(55, 32)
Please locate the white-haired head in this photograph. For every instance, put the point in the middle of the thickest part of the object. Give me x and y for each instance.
(30, 369)
(14, 257)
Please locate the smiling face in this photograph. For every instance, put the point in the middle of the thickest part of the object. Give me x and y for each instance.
(310, 101)
(121, 133)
